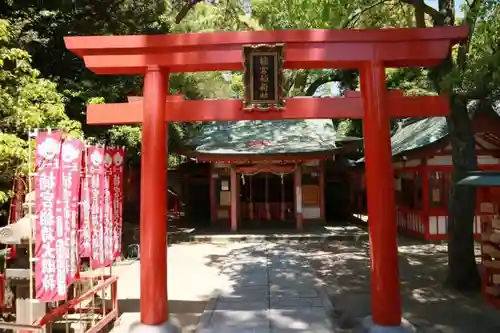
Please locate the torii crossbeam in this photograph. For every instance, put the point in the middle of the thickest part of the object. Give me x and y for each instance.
(370, 51)
(350, 106)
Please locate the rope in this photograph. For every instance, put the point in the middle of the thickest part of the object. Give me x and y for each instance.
(281, 174)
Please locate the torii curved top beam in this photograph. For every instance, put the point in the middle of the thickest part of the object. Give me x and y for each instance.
(303, 49)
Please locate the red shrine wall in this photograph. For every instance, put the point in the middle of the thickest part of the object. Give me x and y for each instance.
(422, 193)
(422, 187)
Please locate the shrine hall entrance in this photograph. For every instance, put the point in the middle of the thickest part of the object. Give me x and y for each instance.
(266, 201)
(198, 203)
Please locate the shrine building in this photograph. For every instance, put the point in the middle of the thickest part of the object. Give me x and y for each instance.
(272, 171)
(422, 163)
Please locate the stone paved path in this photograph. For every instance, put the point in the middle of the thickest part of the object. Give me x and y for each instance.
(267, 288)
(193, 274)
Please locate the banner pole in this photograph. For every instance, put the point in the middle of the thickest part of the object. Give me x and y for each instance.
(30, 214)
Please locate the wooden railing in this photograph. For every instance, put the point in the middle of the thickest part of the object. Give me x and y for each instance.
(84, 304)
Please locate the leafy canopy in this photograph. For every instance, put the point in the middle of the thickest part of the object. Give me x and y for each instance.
(27, 101)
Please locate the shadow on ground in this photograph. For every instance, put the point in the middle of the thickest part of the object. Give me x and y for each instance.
(185, 313)
(268, 288)
(174, 306)
(344, 269)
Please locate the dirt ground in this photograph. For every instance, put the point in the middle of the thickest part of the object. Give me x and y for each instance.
(344, 268)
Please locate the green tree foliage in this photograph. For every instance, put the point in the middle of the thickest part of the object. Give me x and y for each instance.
(27, 101)
(39, 28)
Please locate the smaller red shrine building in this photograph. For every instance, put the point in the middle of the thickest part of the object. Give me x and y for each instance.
(263, 173)
(422, 173)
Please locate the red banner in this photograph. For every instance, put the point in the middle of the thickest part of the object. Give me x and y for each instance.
(95, 166)
(71, 165)
(84, 230)
(117, 196)
(51, 264)
(108, 208)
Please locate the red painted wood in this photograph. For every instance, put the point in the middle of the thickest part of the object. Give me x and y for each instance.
(234, 199)
(170, 98)
(304, 49)
(254, 158)
(385, 293)
(296, 108)
(425, 195)
(306, 56)
(390, 93)
(85, 45)
(322, 189)
(297, 186)
(153, 222)
(213, 191)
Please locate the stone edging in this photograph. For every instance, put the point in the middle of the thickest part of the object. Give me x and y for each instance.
(204, 321)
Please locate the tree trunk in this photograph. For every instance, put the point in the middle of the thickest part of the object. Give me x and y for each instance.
(463, 273)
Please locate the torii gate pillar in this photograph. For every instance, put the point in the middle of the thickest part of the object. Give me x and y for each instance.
(385, 291)
(153, 223)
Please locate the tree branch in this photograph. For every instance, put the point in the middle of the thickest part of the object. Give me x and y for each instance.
(477, 95)
(183, 12)
(470, 20)
(299, 81)
(447, 8)
(334, 76)
(419, 13)
(357, 13)
(436, 16)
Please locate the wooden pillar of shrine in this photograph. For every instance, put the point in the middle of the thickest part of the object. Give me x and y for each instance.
(297, 184)
(213, 202)
(282, 204)
(385, 291)
(425, 194)
(266, 195)
(234, 199)
(153, 221)
(321, 176)
(250, 204)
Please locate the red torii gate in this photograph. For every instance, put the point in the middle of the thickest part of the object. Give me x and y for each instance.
(371, 51)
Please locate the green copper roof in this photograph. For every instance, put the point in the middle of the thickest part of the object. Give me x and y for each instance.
(418, 134)
(481, 179)
(266, 137)
(427, 131)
